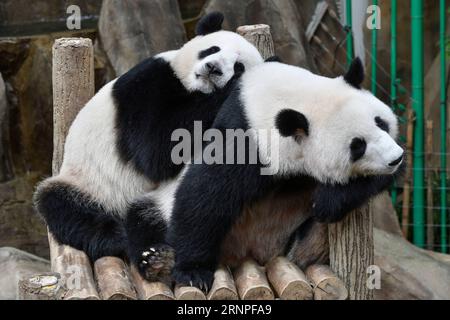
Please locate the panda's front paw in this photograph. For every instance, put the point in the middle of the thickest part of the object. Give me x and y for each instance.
(156, 263)
(200, 277)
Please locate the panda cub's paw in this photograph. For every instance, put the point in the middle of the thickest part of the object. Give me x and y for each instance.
(156, 263)
(200, 278)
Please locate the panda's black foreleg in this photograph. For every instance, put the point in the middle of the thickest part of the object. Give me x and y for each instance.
(331, 203)
(78, 221)
(208, 202)
(146, 230)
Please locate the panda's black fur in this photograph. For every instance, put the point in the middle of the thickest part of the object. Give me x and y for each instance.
(150, 102)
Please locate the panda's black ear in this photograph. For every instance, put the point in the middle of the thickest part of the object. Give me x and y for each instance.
(355, 74)
(273, 59)
(292, 123)
(210, 23)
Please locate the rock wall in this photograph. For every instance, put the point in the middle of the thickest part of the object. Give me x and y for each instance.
(286, 23)
(156, 26)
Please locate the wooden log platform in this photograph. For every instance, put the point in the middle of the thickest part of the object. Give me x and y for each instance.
(114, 280)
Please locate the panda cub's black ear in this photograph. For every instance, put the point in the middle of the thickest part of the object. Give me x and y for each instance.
(210, 23)
(292, 123)
(355, 74)
(273, 59)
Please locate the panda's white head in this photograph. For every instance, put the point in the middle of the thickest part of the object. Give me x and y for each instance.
(329, 128)
(210, 60)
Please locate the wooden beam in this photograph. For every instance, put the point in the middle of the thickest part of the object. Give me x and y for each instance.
(288, 280)
(327, 285)
(189, 293)
(223, 287)
(113, 279)
(73, 87)
(251, 282)
(150, 290)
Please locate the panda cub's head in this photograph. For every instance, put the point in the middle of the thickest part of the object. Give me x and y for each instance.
(210, 60)
(330, 129)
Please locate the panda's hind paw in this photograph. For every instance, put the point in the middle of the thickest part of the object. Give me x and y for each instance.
(156, 263)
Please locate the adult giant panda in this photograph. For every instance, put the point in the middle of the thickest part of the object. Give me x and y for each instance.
(119, 146)
(337, 149)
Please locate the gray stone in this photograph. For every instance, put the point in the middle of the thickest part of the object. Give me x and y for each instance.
(132, 31)
(16, 265)
(282, 16)
(407, 271)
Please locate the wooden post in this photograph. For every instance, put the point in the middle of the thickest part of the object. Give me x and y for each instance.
(259, 35)
(352, 251)
(288, 280)
(73, 86)
(327, 286)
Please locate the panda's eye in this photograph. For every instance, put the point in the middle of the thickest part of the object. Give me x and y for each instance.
(383, 125)
(358, 149)
(208, 52)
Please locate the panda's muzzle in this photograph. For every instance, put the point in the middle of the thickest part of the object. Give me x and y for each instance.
(397, 162)
(213, 69)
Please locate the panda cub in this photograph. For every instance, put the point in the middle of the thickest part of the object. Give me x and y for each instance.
(119, 146)
(336, 148)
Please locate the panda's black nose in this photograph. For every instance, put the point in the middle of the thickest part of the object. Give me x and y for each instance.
(213, 69)
(396, 162)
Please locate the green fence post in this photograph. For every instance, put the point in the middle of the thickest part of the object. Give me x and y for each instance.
(349, 27)
(394, 73)
(418, 102)
(374, 54)
(443, 16)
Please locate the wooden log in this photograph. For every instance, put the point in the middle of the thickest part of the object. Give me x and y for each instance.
(429, 175)
(73, 86)
(189, 293)
(289, 282)
(352, 251)
(408, 176)
(150, 290)
(223, 287)
(327, 285)
(47, 286)
(113, 279)
(259, 35)
(251, 282)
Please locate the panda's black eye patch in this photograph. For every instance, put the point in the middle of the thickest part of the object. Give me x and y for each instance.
(383, 125)
(203, 54)
(358, 149)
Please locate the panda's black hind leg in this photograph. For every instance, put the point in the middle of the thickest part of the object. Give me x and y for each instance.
(147, 248)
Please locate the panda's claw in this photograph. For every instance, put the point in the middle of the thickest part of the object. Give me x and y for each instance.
(156, 263)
